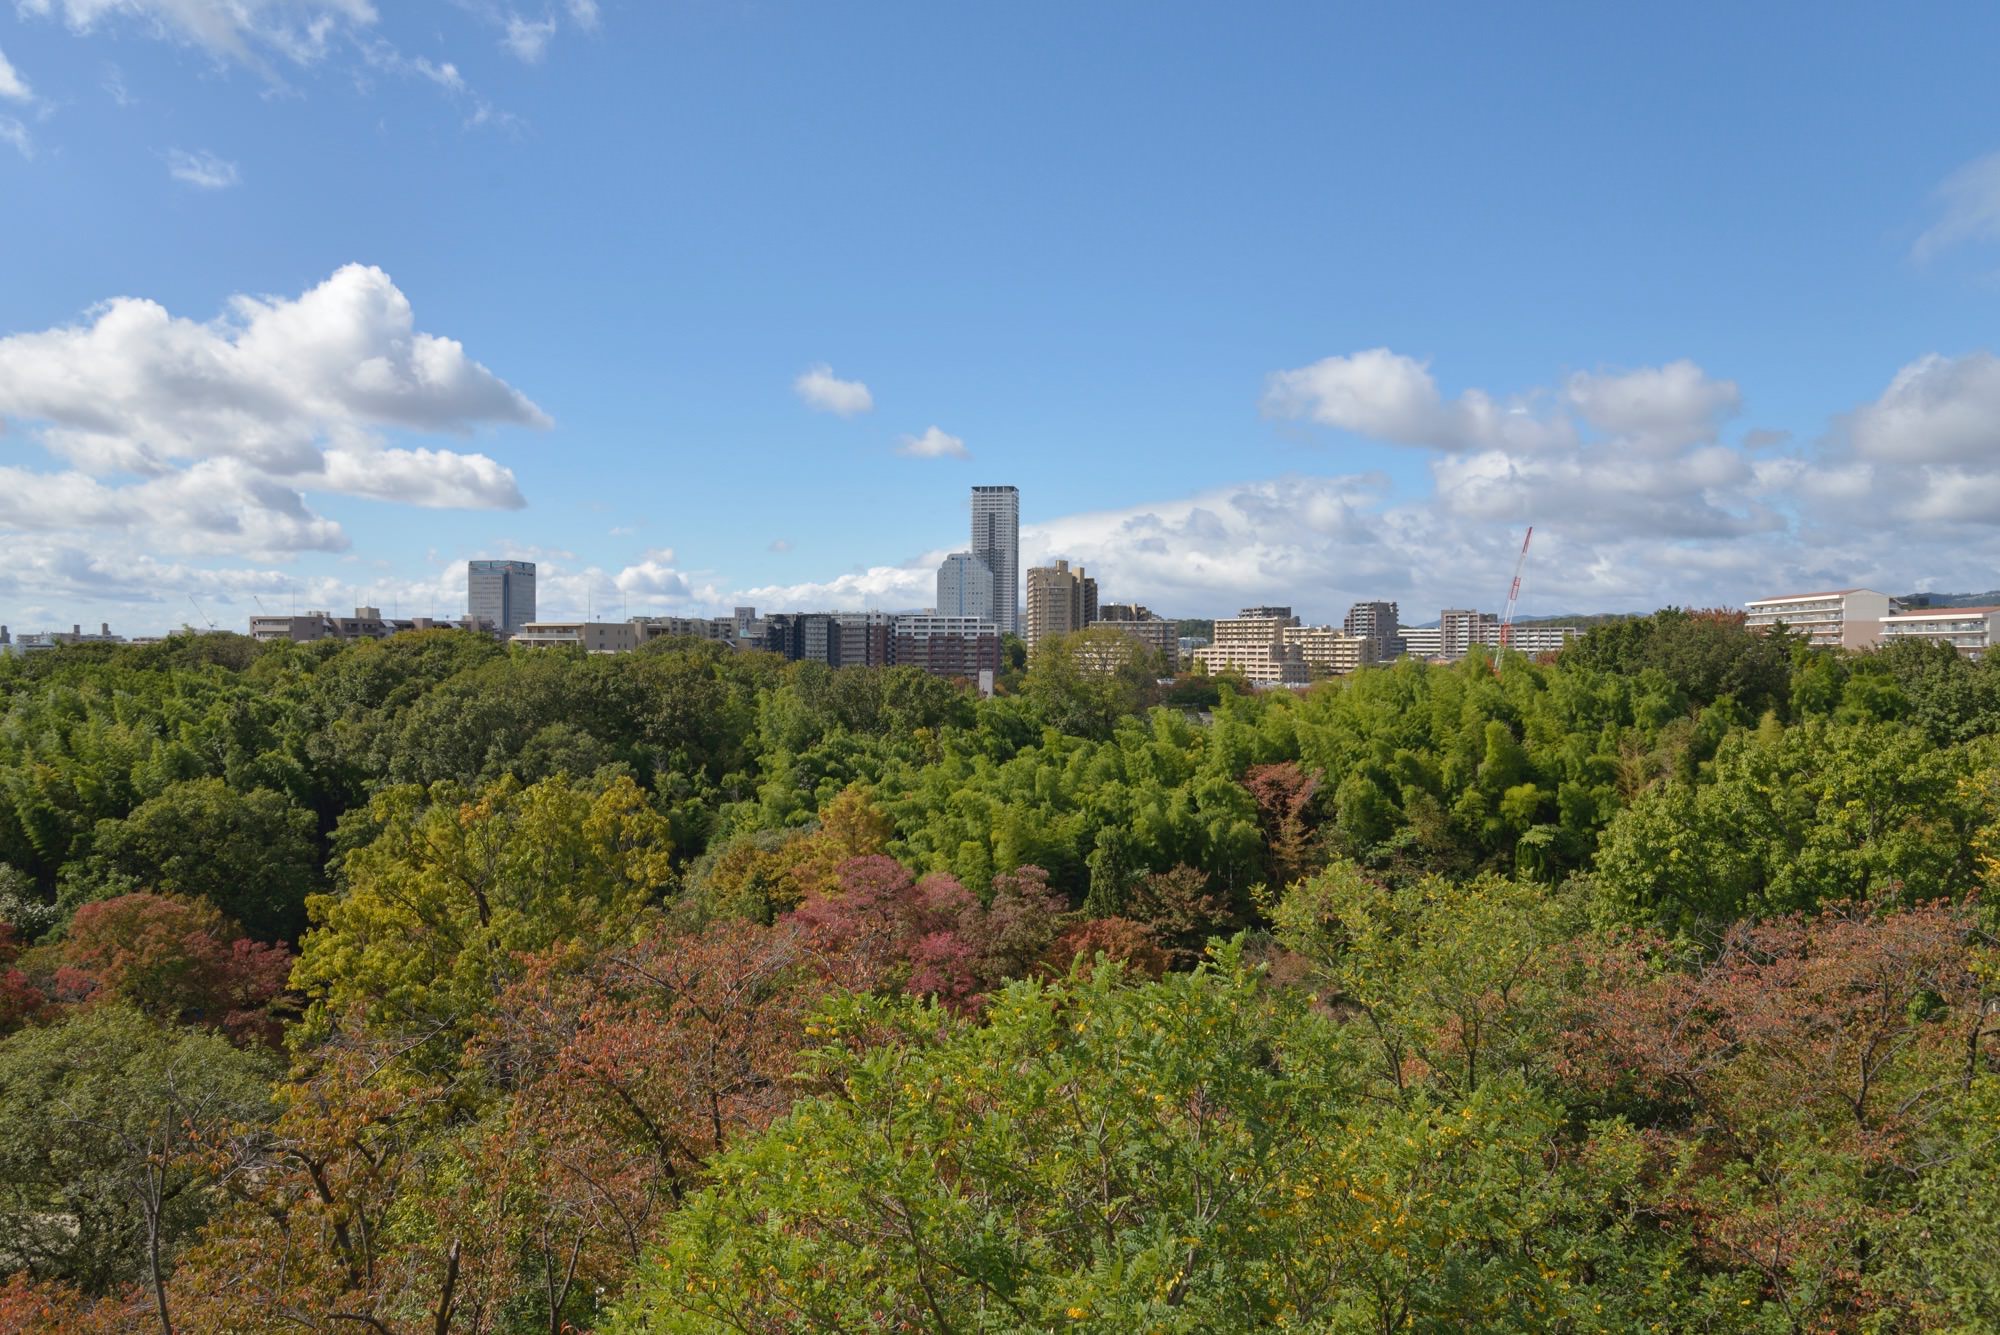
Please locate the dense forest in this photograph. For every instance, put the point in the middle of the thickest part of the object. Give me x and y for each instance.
(424, 986)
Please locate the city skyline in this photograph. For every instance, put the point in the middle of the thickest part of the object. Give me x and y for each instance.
(314, 303)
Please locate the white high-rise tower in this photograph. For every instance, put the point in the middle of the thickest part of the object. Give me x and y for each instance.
(964, 587)
(996, 541)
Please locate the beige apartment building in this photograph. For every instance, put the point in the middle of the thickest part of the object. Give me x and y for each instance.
(1330, 652)
(597, 637)
(1253, 645)
(1060, 600)
(1836, 619)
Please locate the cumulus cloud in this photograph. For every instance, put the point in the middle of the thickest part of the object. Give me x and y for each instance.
(528, 39)
(13, 87)
(1390, 397)
(1936, 410)
(653, 580)
(1969, 209)
(217, 504)
(933, 444)
(134, 387)
(1660, 407)
(203, 170)
(435, 479)
(227, 423)
(825, 392)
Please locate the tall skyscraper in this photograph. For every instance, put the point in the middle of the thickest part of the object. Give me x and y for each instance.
(964, 587)
(502, 592)
(1060, 600)
(996, 540)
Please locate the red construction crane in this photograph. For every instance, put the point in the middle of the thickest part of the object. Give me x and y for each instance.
(1514, 592)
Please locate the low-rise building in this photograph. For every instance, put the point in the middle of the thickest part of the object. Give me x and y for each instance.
(1970, 630)
(1835, 619)
(1538, 637)
(596, 637)
(1422, 642)
(721, 629)
(367, 623)
(1139, 622)
(31, 642)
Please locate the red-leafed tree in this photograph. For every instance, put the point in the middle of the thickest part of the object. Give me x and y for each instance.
(1793, 1075)
(174, 958)
(1121, 940)
(932, 936)
(1288, 812)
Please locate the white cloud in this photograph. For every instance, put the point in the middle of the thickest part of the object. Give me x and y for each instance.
(436, 479)
(115, 89)
(825, 392)
(1936, 410)
(1392, 398)
(584, 14)
(15, 133)
(203, 169)
(226, 423)
(216, 504)
(136, 387)
(781, 544)
(445, 75)
(653, 581)
(13, 87)
(1660, 407)
(878, 588)
(528, 40)
(1970, 209)
(933, 444)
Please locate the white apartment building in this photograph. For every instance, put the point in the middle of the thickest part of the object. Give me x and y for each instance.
(1423, 642)
(1538, 638)
(1836, 619)
(1970, 630)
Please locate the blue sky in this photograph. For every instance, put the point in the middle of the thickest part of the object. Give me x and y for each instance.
(1254, 303)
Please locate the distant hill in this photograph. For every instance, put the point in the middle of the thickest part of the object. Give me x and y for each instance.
(1990, 598)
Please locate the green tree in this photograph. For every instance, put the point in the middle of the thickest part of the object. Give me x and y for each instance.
(251, 854)
(450, 887)
(115, 1133)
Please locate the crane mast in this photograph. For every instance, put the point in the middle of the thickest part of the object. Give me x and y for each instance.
(1514, 592)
